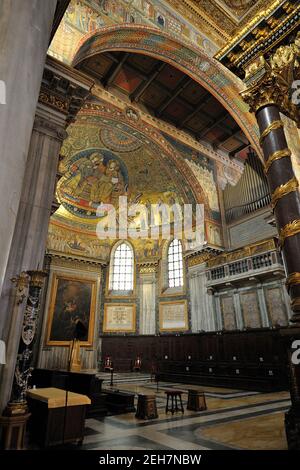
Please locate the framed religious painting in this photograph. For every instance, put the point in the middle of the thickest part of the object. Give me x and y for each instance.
(72, 299)
(119, 318)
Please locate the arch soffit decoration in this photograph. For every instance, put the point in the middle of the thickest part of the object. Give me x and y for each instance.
(192, 61)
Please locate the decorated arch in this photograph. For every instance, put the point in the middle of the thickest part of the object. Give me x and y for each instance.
(194, 62)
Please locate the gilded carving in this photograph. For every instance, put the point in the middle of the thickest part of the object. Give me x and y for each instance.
(199, 259)
(293, 279)
(283, 190)
(22, 284)
(247, 251)
(270, 81)
(289, 230)
(284, 153)
(273, 126)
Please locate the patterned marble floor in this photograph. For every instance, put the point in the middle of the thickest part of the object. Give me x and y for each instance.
(234, 419)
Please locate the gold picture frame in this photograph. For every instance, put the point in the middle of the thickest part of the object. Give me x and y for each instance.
(162, 320)
(131, 318)
(72, 298)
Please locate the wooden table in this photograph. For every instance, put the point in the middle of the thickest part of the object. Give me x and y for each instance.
(52, 423)
(84, 382)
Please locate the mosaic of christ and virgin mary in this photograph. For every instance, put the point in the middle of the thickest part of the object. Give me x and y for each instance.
(93, 177)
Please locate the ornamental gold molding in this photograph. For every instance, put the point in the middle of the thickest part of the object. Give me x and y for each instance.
(284, 153)
(64, 89)
(22, 284)
(283, 190)
(37, 278)
(246, 252)
(200, 20)
(247, 28)
(270, 81)
(289, 230)
(148, 269)
(199, 259)
(275, 24)
(48, 98)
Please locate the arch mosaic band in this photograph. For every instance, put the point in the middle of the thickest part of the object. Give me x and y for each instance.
(150, 219)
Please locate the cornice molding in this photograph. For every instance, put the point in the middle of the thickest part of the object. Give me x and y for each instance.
(64, 89)
(73, 261)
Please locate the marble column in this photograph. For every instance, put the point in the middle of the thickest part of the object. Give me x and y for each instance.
(25, 28)
(30, 233)
(285, 196)
(147, 301)
(202, 315)
(268, 93)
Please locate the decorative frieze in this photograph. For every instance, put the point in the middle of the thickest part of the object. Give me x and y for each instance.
(64, 89)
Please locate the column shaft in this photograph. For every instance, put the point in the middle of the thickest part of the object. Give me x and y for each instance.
(25, 28)
(285, 196)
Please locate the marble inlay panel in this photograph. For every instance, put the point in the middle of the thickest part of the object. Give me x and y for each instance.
(250, 309)
(275, 305)
(228, 312)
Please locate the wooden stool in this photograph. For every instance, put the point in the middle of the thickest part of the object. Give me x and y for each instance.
(196, 400)
(146, 407)
(14, 429)
(174, 394)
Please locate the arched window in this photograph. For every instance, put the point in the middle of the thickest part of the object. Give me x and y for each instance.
(175, 264)
(122, 271)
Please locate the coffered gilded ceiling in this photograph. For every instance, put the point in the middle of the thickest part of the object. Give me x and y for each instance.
(222, 17)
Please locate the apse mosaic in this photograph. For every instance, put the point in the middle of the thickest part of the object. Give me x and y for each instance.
(105, 158)
(93, 176)
(204, 171)
(85, 17)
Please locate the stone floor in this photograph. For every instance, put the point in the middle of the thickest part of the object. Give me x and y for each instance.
(234, 419)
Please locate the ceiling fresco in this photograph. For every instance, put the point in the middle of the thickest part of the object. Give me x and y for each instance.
(104, 158)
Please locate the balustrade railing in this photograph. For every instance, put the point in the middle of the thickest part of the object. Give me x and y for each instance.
(245, 266)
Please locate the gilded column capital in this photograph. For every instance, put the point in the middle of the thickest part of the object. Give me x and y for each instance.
(22, 283)
(270, 80)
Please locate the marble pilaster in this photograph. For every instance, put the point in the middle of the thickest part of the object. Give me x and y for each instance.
(148, 303)
(30, 233)
(202, 314)
(25, 29)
